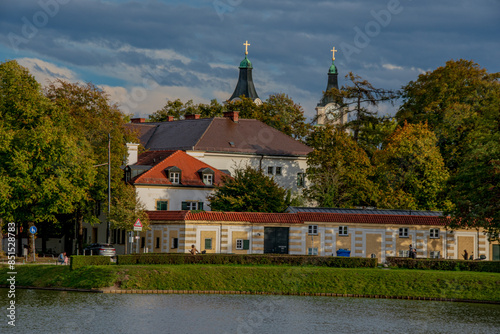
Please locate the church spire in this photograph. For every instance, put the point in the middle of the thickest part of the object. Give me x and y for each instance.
(245, 84)
(327, 109)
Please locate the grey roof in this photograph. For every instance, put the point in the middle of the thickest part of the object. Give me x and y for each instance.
(296, 209)
(219, 134)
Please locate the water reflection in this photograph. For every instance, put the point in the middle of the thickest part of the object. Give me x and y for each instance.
(71, 312)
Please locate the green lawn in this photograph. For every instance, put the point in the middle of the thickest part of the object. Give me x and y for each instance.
(276, 279)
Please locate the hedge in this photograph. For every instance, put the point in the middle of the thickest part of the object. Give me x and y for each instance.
(78, 261)
(251, 259)
(442, 264)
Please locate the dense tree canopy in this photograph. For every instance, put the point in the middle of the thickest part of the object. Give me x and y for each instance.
(410, 171)
(249, 190)
(45, 168)
(338, 170)
(450, 100)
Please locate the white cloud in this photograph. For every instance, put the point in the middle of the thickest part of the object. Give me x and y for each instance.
(392, 67)
(46, 72)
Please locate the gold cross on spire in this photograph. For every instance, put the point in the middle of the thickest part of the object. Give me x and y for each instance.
(246, 44)
(333, 50)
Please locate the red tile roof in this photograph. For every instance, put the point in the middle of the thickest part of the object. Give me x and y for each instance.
(188, 165)
(294, 218)
(371, 219)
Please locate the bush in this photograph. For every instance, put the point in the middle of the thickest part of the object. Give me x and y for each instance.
(78, 261)
(442, 264)
(251, 259)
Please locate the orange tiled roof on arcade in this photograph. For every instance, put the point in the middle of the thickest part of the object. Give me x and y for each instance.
(296, 218)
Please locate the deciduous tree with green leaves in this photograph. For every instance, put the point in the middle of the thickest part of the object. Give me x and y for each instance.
(338, 170)
(249, 190)
(410, 171)
(46, 168)
(450, 99)
(92, 118)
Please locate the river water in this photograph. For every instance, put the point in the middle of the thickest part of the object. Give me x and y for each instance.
(40, 311)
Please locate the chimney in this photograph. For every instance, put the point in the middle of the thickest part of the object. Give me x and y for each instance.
(138, 120)
(133, 153)
(170, 118)
(192, 116)
(233, 115)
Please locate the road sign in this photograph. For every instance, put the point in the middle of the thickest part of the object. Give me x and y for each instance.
(138, 225)
(33, 229)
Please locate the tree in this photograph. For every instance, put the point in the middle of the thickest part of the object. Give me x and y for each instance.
(280, 112)
(450, 99)
(410, 171)
(338, 170)
(360, 98)
(475, 187)
(44, 166)
(249, 190)
(92, 118)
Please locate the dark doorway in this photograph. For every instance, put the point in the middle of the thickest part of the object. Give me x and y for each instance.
(276, 240)
(496, 252)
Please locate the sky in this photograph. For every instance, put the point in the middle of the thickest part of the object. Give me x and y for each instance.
(145, 53)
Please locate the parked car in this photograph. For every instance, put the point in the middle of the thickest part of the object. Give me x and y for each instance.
(100, 249)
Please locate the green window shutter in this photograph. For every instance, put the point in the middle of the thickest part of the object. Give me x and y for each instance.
(158, 205)
(246, 244)
(200, 205)
(185, 206)
(208, 243)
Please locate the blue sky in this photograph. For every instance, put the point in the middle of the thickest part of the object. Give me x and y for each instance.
(144, 53)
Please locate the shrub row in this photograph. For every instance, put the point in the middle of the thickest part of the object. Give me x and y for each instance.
(442, 264)
(251, 259)
(78, 261)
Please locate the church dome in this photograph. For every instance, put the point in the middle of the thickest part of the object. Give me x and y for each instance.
(245, 63)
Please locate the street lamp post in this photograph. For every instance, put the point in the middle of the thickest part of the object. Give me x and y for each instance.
(108, 230)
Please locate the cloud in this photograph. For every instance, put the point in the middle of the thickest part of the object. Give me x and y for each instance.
(46, 72)
(392, 67)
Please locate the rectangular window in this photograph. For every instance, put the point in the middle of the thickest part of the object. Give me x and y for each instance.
(313, 230)
(404, 253)
(434, 233)
(278, 170)
(300, 180)
(161, 205)
(242, 244)
(208, 179)
(270, 170)
(208, 243)
(143, 242)
(312, 251)
(122, 241)
(435, 255)
(175, 243)
(403, 232)
(192, 205)
(343, 230)
(157, 242)
(174, 177)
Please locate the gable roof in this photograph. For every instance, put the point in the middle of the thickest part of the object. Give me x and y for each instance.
(161, 160)
(219, 134)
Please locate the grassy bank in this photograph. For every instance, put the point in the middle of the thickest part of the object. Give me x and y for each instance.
(275, 279)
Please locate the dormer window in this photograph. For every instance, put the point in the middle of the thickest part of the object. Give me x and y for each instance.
(207, 175)
(174, 177)
(173, 174)
(208, 179)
